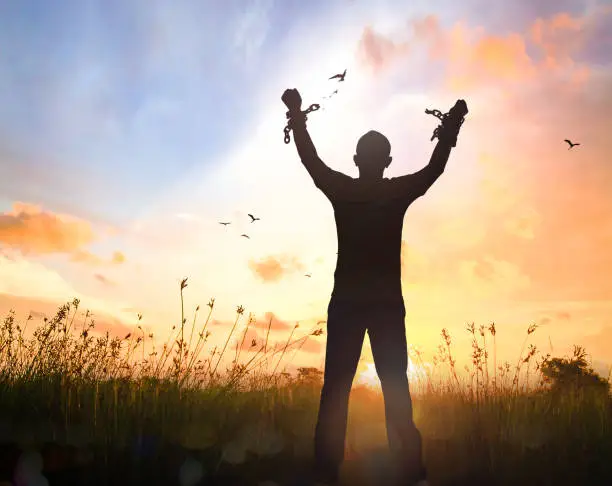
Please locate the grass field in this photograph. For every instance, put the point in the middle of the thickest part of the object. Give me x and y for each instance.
(108, 410)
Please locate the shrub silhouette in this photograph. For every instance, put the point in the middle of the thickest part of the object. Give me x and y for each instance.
(310, 375)
(572, 374)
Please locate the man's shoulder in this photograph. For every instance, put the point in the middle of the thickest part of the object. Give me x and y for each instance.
(340, 185)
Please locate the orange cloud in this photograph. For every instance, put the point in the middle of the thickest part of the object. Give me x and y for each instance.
(277, 324)
(557, 317)
(312, 346)
(428, 28)
(112, 325)
(559, 37)
(273, 269)
(258, 331)
(476, 58)
(41, 308)
(245, 341)
(31, 230)
(376, 51)
(502, 57)
(34, 231)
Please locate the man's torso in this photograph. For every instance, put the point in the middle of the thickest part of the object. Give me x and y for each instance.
(369, 228)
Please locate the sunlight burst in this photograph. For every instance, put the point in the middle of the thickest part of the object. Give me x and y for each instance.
(369, 377)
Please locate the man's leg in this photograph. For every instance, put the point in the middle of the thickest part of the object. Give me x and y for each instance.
(388, 340)
(345, 334)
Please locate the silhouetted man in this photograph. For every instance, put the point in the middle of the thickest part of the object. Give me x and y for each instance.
(367, 294)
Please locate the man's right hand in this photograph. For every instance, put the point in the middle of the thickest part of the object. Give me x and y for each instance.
(293, 100)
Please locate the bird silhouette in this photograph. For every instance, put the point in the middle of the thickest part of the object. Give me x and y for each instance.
(246, 236)
(569, 142)
(339, 77)
(224, 224)
(253, 218)
(308, 275)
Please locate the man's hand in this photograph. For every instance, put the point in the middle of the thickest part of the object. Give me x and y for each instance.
(460, 109)
(293, 100)
(448, 131)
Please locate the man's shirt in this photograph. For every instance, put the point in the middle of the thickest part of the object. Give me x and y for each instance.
(369, 219)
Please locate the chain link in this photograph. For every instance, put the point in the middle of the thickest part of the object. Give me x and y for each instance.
(287, 129)
(445, 119)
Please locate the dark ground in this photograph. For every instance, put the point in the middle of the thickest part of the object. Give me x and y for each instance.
(154, 464)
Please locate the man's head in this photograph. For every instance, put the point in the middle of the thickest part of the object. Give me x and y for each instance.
(372, 157)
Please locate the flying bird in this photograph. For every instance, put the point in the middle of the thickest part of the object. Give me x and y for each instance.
(339, 77)
(253, 218)
(224, 224)
(308, 275)
(246, 236)
(569, 142)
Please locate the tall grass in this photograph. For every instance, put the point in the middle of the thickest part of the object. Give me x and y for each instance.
(64, 380)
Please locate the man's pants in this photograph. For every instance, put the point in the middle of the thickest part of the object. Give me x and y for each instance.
(346, 327)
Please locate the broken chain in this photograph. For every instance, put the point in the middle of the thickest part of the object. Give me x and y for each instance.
(287, 129)
(456, 117)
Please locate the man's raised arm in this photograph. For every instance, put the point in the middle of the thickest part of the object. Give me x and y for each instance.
(325, 178)
(416, 184)
(308, 153)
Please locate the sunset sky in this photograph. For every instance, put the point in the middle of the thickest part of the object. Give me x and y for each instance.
(129, 129)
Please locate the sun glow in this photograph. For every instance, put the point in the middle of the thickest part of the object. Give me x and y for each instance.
(369, 377)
